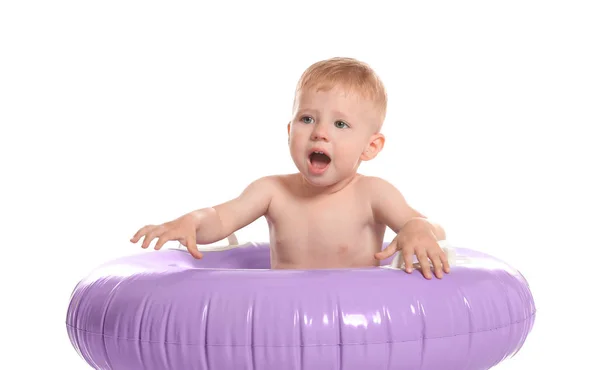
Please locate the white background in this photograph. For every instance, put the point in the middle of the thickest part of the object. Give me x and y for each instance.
(116, 114)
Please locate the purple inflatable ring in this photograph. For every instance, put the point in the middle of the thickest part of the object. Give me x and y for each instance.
(167, 310)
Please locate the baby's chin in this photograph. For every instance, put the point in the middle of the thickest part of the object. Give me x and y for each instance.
(324, 179)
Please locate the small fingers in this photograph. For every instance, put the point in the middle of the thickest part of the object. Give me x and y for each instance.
(150, 236)
(437, 265)
(387, 252)
(141, 232)
(192, 247)
(445, 262)
(425, 265)
(407, 255)
(161, 241)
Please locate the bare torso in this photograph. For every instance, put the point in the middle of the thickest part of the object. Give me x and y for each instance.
(335, 230)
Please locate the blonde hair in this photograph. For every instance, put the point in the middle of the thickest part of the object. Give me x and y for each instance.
(351, 74)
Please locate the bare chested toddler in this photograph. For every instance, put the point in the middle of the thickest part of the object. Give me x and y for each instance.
(326, 215)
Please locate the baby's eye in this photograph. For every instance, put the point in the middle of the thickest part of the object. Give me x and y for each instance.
(306, 119)
(340, 124)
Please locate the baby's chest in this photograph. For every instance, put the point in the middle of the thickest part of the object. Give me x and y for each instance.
(317, 218)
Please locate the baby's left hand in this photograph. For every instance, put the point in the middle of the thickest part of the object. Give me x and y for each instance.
(417, 238)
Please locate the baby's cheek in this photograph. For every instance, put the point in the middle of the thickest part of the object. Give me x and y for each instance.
(349, 157)
(295, 146)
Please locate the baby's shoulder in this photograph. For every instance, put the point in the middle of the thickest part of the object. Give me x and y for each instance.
(275, 183)
(373, 184)
(376, 190)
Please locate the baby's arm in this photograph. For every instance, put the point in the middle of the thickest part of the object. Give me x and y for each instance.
(228, 217)
(416, 235)
(211, 224)
(391, 208)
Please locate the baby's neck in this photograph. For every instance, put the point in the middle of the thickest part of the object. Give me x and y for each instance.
(309, 189)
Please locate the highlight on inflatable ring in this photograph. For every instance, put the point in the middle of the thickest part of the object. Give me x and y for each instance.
(167, 310)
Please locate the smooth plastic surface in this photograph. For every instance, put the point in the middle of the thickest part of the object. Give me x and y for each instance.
(167, 310)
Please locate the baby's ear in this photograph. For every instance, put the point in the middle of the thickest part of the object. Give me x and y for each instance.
(373, 148)
(288, 128)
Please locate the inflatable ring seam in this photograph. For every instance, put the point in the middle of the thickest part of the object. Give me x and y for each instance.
(309, 345)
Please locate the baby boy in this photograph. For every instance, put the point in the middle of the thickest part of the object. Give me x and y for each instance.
(326, 215)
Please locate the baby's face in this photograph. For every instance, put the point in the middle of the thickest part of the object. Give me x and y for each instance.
(328, 134)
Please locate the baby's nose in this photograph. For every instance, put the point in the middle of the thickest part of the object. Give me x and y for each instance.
(320, 133)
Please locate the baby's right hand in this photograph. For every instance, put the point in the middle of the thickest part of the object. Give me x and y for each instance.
(182, 229)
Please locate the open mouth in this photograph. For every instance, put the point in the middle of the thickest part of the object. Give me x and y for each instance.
(319, 161)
